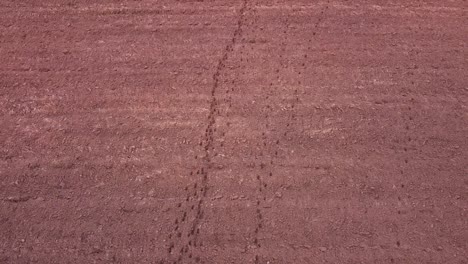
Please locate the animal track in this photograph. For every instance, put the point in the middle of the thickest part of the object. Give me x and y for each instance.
(266, 172)
(269, 145)
(185, 234)
(406, 163)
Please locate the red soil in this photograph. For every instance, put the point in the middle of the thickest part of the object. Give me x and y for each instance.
(246, 131)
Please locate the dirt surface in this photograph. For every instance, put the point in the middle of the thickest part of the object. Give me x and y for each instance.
(247, 131)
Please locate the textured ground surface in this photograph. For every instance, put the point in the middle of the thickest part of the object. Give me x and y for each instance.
(246, 131)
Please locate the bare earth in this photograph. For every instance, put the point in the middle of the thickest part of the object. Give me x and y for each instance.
(247, 131)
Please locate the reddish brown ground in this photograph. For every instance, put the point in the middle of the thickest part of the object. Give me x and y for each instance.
(253, 131)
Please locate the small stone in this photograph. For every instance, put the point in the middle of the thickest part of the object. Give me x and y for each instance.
(18, 199)
(96, 250)
(217, 197)
(323, 249)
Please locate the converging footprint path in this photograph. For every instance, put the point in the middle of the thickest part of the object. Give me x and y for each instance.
(185, 241)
